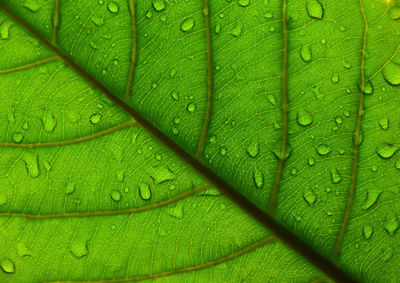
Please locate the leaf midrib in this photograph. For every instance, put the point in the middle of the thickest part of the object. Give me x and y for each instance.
(281, 232)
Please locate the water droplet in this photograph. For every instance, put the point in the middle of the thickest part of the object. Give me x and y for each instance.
(294, 171)
(120, 176)
(191, 107)
(258, 178)
(272, 99)
(163, 18)
(268, 15)
(395, 13)
(5, 30)
(163, 175)
(176, 211)
(372, 198)
(115, 196)
(323, 149)
(211, 192)
(335, 176)
(374, 168)
(17, 137)
(31, 163)
(7, 265)
(144, 191)
(149, 14)
(315, 9)
(32, 5)
(218, 28)
(384, 123)
(187, 24)
(49, 122)
(335, 79)
(305, 53)
(172, 73)
(391, 226)
(97, 20)
(368, 88)
(391, 73)
(386, 150)
(79, 249)
(22, 249)
(338, 120)
(311, 161)
(304, 118)
(113, 7)
(387, 255)
(95, 118)
(244, 3)
(237, 31)
(310, 197)
(25, 125)
(213, 139)
(3, 199)
(252, 149)
(367, 232)
(397, 164)
(346, 65)
(159, 5)
(175, 95)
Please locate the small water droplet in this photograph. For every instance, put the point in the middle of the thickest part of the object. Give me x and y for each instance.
(258, 178)
(372, 198)
(3, 199)
(113, 7)
(149, 14)
(120, 176)
(79, 249)
(311, 161)
(5, 30)
(97, 20)
(272, 99)
(175, 95)
(338, 120)
(95, 118)
(397, 164)
(223, 150)
(17, 137)
(187, 24)
(172, 73)
(315, 9)
(49, 122)
(391, 226)
(386, 150)
(304, 118)
(252, 149)
(384, 123)
(310, 197)
(7, 265)
(367, 232)
(305, 53)
(268, 15)
(335, 176)
(346, 65)
(115, 196)
(191, 107)
(144, 191)
(32, 5)
(391, 73)
(237, 31)
(163, 175)
(335, 79)
(368, 88)
(159, 5)
(176, 210)
(323, 149)
(294, 171)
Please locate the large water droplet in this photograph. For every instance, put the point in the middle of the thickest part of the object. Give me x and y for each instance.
(384, 123)
(237, 31)
(367, 232)
(79, 249)
(368, 88)
(191, 107)
(144, 191)
(323, 149)
(391, 226)
(31, 163)
(305, 53)
(187, 24)
(395, 13)
(5, 30)
(159, 5)
(253, 149)
(95, 118)
(310, 197)
(391, 73)
(163, 175)
(7, 265)
(49, 122)
(315, 9)
(113, 7)
(372, 198)
(115, 196)
(258, 178)
(335, 176)
(32, 5)
(386, 150)
(304, 118)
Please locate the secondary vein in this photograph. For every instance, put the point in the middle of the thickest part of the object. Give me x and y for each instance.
(281, 165)
(134, 50)
(73, 141)
(356, 139)
(30, 65)
(207, 118)
(190, 268)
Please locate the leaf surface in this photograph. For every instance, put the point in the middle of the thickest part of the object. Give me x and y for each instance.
(293, 105)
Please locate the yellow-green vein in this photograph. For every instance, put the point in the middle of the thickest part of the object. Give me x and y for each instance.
(190, 268)
(109, 212)
(356, 139)
(131, 4)
(281, 166)
(73, 141)
(30, 65)
(206, 122)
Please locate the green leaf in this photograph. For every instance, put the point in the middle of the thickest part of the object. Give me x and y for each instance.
(293, 104)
